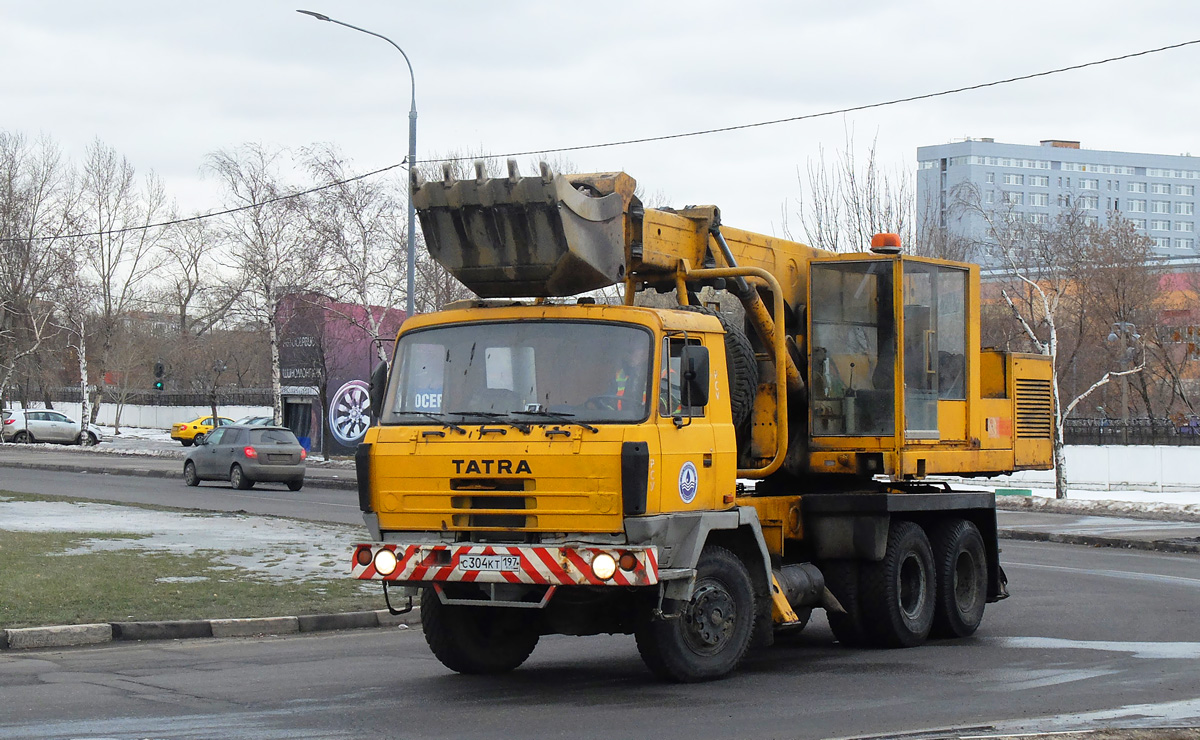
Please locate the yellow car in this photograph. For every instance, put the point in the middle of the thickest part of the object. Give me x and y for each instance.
(190, 432)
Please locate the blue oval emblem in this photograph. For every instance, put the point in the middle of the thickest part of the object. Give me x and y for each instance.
(689, 482)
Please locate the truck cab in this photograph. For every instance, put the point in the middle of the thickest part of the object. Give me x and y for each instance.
(510, 423)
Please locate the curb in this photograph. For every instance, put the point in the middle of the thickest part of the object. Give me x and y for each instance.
(1175, 546)
(340, 483)
(92, 634)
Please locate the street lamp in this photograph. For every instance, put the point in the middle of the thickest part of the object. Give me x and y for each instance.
(412, 155)
(1125, 331)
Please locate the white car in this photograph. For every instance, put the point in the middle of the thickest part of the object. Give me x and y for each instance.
(35, 425)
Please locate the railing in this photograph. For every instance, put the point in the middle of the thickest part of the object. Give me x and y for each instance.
(1133, 432)
(225, 397)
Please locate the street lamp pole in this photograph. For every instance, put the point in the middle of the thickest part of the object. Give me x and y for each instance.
(1124, 331)
(412, 157)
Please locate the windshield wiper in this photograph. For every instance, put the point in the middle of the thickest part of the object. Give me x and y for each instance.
(558, 416)
(438, 418)
(523, 428)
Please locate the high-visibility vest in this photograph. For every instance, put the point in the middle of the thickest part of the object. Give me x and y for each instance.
(622, 379)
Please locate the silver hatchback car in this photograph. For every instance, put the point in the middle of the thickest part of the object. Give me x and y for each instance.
(245, 455)
(37, 425)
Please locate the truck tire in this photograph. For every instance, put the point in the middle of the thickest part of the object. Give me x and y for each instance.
(841, 577)
(477, 639)
(962, 578)
(713, 631)
(743, 367)
(898, 593)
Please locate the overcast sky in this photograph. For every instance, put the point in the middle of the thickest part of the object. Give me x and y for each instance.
(165, 82)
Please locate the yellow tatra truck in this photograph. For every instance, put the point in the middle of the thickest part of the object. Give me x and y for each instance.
(545, 463)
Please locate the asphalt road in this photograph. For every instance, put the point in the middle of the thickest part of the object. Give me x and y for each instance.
(1089, 637)
(313, 502)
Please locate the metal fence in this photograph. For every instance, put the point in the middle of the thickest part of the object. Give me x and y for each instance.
(1132, 432)
(225, 397)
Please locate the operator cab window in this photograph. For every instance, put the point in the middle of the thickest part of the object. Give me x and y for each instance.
(670, 397)
(853, 349)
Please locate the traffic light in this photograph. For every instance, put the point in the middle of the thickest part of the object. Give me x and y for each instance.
(158, 376)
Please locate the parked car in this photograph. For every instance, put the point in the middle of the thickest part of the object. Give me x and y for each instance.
(31, 425)
(258, 421)
(186, 432)
(245, 454)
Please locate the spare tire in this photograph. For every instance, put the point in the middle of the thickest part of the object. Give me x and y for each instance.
(743, 367)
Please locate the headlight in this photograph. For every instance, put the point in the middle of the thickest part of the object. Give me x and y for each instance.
(385, 562)
(603, 565)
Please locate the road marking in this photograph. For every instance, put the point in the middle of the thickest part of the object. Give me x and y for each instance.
(1121, 574)
(1148, 650)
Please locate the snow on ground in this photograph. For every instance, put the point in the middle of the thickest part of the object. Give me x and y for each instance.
(279, 549)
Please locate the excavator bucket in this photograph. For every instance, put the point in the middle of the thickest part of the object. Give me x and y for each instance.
(543, 236)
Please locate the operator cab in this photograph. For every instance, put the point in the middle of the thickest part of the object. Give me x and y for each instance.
(875, 321)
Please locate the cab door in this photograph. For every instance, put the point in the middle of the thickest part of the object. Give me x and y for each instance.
(935, 355)
(686, 437)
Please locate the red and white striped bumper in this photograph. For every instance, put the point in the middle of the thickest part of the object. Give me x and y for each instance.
(540, 565)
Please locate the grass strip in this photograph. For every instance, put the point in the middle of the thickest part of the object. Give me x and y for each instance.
(41, 585)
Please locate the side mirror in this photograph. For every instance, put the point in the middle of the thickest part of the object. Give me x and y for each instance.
(378, 385)
(693, 367)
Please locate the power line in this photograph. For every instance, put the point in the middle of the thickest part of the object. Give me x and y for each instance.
(643, 140)
(840, 111)
(213, 214)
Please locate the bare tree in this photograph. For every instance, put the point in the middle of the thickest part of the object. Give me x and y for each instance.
(271, 250)
(194, 286)
(37, 204)
(844, 202)
(1045, 266)
(358, 224)
(122, 255)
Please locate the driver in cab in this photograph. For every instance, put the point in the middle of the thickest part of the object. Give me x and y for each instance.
(633, 362)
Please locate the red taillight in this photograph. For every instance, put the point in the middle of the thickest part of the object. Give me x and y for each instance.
(250, 452)
(363, 555)
(9, 421)
(303, 454)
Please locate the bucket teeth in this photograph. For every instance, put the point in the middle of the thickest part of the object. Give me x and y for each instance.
(526, 236)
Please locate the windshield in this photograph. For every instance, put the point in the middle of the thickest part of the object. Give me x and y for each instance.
(582, 371)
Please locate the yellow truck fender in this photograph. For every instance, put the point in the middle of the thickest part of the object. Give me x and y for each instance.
(680, 537)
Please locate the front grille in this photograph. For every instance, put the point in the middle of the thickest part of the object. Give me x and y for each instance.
(1035, 409)
(482, 510)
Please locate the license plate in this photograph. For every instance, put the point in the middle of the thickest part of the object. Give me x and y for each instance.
(510, 563)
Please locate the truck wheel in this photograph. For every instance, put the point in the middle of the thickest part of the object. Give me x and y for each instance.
(898, 593)
(841, 577)
(958, 556)
(477, 639)
(743, 367)
(713, 631)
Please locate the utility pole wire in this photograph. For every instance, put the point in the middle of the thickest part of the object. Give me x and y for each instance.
(645, 140)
